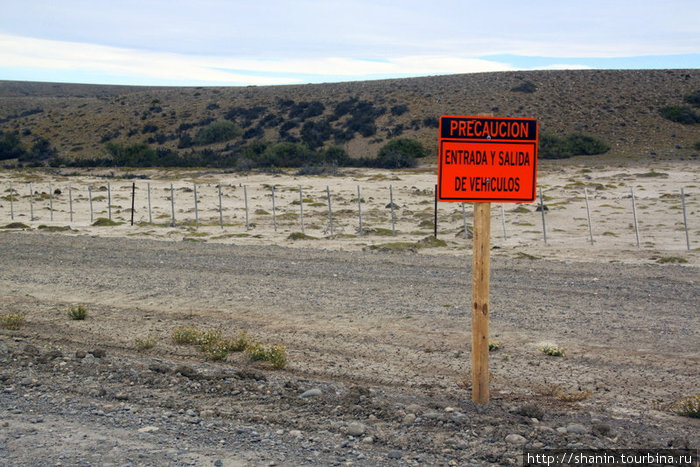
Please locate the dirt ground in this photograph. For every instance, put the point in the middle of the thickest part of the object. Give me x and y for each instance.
(378, 346)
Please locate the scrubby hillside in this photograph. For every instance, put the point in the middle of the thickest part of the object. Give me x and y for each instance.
(77, 122)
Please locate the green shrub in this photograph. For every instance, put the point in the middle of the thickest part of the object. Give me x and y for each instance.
(553, 350)
(688, 407)
(555, 147)
(186, 335)
(105, 222)
(527, 87)
(680, 114)
(217, 132)
(693, 98)
(78, 313)
(146, 343)
(274, 354)
(408, 148)
(12, 321)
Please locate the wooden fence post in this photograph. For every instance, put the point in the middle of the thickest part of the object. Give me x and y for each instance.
(588, 212)
(481, 267)
(393, 217)
(634, 215)
(685, 220)
(330, 209)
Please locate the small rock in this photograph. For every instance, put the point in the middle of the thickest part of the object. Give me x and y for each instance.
(218, 463)
(395, 455)
(409, 419)
(98, 353)
(515, 439)
(356, 429)
(80, 354)
(121, 396)
(562, 430)
(311, 393)
(367, 440)
(531, 411)
(296, 433)
(576, 428)
(148, 429)
(601, 429)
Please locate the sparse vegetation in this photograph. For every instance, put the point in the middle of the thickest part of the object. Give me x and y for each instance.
(147, 342)
(553, 350)
(273, 354)
(494, 345)
(557, 147)
(671, 260)
(16, 225)
(12, 321)
(688, 406)
(105, 222)
(78, 313)
(680, 114)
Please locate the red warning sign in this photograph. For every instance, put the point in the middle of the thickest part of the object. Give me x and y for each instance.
(487, 159)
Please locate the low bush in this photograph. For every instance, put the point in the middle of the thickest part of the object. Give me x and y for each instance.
(680, 114)
(688, 407)
(273, 354)
(556, 147)
(12, 321)
(78, 313)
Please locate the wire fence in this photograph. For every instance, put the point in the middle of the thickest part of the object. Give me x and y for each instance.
(574, 215)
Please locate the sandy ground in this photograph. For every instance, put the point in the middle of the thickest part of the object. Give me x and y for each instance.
(517, 229)
(376, 326)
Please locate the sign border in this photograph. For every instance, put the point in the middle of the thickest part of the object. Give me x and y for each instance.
(533, 142)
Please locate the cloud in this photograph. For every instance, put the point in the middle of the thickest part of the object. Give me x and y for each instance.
(47, 55)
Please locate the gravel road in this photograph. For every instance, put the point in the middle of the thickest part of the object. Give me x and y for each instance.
(381, 339)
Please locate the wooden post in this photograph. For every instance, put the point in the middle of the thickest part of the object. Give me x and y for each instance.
(481, 271)
(150, 215)
(301, 208)
(133, 198)
(90, 197)
(435, 217)
(196, 208)
(464, 217)
(245, 197)
(172, 206)
(12, 206)
(221, 212)
(588, 212)
(70, 202)
(544, 224)
(274, 213)
(31, 202)
(685, 220)
(503, 221)
(109, 200)
(330, 209)
(393, 217)
(634, 215)
(359, 207)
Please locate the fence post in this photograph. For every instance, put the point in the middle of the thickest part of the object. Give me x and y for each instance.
(196, 208)
(245, 197)
(393, 217)
(301, 208)
(435, 217)
(109, 200)
(150, 215)
(544, 224)
(133, 199)
(90, 197)
(359, 207)
(503, 221)
(464, 217)
(330, 209)
(685, 220)
(172, 206)
(221, 211)
(634, 215)
(588, 212)
(274, 213)
(12, 206)
(70, 202)
(51, 200)
(31, 202)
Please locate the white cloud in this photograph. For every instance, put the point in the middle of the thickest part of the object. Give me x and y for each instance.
(49, 55)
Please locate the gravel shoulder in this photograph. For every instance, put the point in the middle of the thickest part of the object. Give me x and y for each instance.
(384, 338)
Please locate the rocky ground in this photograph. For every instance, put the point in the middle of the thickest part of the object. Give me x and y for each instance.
(378, 356)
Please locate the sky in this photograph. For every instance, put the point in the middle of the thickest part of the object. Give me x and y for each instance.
(277, 42)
